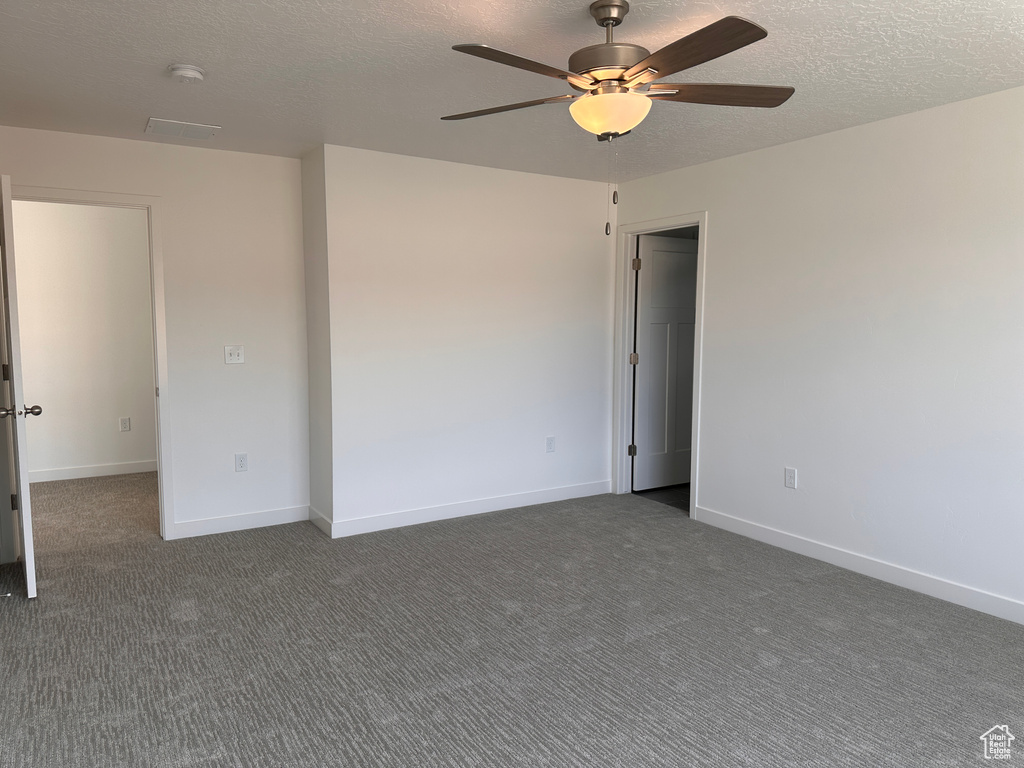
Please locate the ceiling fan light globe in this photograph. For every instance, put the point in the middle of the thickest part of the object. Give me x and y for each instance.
(601, 113)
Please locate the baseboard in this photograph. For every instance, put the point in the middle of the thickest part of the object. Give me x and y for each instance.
(951, 591)
(240, 522)
(320, 520)
(92, 470)
(355, 526)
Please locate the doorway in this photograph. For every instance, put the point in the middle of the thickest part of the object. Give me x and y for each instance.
(86, 326)
(90, 301)
(665, 288)
(659, 340)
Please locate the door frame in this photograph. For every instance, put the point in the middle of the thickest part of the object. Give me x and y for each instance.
(152, 205)
(625, 325)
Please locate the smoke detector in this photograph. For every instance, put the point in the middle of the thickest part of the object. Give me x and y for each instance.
(186, 74)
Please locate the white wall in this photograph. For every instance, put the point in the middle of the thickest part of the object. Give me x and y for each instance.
(231, 237)
(86, 337)
(863, 324)
(471, 317)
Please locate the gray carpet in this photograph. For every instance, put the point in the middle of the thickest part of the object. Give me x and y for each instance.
(677, 496)
(607, 631)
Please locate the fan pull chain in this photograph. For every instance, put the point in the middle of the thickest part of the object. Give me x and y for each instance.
(608, 200)
(613, 195)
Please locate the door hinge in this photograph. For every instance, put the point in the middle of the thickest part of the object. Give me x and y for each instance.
(636, 264)
(631, 450)
(158, 391)
(7, 372)
(634, 358)
(14, 501)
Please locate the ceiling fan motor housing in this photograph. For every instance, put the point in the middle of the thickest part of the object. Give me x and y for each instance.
(607, 61)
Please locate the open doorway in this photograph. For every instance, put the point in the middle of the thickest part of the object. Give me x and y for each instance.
(665, 289)
(657, 385)
(86, 295)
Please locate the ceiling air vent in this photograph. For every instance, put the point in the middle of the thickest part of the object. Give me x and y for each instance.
(179, 129)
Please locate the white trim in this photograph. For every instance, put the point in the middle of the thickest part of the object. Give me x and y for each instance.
(91, 470)
(951, 591)
(241, 522)
(320, 520)
(152, 205)
(625, 318)
(382, 522)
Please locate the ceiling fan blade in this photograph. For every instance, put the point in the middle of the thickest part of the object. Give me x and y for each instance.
(510, 107)
(726, 95)
(493, 54)
(722, 37)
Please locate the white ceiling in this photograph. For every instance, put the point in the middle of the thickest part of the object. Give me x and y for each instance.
(286, 75)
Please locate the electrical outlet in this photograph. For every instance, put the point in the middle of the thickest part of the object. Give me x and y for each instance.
(241, 462)
(790, 478)
(125, 424)
(234, 354)
(549, 444)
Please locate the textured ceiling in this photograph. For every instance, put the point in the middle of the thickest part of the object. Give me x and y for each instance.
(287, 75)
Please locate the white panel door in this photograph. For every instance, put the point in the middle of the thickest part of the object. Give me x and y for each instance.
(13, 399)
(663, 398)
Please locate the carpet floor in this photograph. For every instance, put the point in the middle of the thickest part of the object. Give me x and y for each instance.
(605, 631)
(677, 496)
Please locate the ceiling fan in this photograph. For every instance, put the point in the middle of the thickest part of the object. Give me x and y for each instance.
(616, 80)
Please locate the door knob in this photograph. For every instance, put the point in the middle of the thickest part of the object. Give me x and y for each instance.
(5, 412)
(35, 410)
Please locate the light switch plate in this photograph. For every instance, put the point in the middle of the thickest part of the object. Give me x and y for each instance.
(234, 354)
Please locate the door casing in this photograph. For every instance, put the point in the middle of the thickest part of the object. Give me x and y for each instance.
(151, 205)
(625, 322)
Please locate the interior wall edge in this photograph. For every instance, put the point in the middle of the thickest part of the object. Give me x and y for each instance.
(320, 520)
